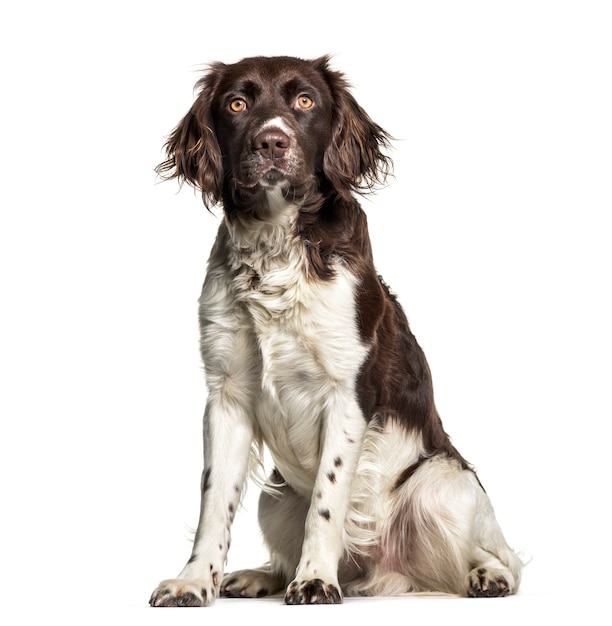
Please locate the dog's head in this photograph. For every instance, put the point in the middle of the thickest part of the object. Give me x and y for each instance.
(275, 122)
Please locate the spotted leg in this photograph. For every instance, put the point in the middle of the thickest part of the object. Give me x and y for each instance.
(316, 580)
(199, 581)
(228, 354)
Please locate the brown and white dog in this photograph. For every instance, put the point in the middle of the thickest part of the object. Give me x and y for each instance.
(307, 352)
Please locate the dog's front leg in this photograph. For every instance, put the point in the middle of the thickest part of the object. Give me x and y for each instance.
(316, 580)
(227, 442)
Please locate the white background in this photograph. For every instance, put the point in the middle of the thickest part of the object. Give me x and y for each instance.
(495, 235)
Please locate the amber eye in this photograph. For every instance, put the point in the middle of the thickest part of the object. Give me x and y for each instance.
(238, 105)
(304, 102)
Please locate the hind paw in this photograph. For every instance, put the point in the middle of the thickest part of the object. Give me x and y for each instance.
(487, 583)
(251, 583)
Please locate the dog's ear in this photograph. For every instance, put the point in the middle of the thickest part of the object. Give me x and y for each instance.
(354, 160)
(192, 150)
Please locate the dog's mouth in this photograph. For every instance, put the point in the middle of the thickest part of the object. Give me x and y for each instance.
(267, 174)
(273, 177)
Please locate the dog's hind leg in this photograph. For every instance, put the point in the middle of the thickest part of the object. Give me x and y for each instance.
(443, 535)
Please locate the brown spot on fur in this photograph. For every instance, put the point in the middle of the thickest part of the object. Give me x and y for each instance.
(348, 438)
(406, 475)
(206, 481)
(189, 599)
(324, 513)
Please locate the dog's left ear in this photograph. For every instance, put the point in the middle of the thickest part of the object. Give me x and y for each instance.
(193, 153)
(354, 160)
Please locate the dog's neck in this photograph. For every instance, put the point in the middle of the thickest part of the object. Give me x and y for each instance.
(265, 225)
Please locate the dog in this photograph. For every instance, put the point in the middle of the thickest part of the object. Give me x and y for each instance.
(308, 354)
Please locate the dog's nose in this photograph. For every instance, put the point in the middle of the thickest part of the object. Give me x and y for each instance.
(271, 144)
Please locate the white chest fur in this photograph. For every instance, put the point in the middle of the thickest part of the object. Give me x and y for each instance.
(298, 332)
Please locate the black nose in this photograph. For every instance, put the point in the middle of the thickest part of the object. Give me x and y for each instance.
(271, 144)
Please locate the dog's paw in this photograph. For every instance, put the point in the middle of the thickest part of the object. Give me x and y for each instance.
(251, 583)
(487, 583)
(314, 591)
(177, 592)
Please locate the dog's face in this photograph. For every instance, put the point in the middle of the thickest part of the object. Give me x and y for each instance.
(273, 121)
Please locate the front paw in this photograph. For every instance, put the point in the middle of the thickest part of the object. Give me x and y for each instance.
(314, 591)
(177, 592)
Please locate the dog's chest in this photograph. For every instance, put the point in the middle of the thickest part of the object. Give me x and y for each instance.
(308, 344)
(305, 327)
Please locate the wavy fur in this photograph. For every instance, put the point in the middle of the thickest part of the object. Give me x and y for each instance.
(308, 352)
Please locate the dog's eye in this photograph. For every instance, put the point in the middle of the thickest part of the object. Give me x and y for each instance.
(304, 102)
(238, 105)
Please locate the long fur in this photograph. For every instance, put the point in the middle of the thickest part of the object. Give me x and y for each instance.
(307, 352)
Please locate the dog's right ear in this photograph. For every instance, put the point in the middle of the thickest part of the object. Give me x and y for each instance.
(192, 149)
